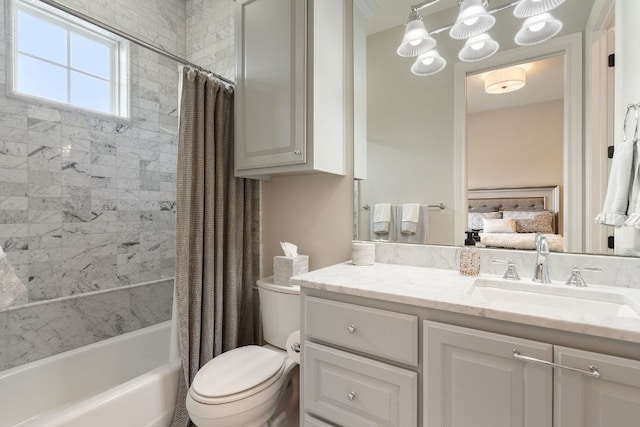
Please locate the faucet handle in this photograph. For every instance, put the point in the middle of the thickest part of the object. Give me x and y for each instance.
(576, 279)
(511, 272)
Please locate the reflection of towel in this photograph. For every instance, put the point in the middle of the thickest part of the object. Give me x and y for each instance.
(616, 202)
(410, 217)
(381, 218)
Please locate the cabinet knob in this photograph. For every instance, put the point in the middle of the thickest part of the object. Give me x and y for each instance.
(352, 329)
(351, 395)
(297, 152)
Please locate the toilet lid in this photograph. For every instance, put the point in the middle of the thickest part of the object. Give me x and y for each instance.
(236, 371)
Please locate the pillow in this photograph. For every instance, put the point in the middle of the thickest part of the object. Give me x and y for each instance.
(499, 225)
(474, 219)
(531, 221)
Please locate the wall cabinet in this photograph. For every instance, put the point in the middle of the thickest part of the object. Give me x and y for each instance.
(472, 378)
(290, 87)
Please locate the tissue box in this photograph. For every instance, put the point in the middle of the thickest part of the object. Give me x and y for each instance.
(286, 267)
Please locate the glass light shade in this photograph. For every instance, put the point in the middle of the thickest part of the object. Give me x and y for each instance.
(472, 20)
(428, 63)
(528, 8)
(505, 80)
(538, 29)
(416, 40)
(477, 48)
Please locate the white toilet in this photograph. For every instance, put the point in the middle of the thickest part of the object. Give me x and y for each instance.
(248, 386)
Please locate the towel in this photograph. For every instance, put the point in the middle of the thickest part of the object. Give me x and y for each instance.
(616, 202)
(381, 218)
(633, 219)
(410, 217)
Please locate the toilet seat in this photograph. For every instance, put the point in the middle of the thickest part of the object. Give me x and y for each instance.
(237, 374)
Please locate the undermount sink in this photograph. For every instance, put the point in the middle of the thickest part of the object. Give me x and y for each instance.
(514, 295)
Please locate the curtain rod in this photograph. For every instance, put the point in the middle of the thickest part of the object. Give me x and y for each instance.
(131, 38)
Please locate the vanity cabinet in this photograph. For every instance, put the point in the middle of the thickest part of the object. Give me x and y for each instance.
(359, 365)
(582, 401)
(290, 87)
(472, 378)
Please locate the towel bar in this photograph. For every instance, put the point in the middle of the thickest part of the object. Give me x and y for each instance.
(440, 206)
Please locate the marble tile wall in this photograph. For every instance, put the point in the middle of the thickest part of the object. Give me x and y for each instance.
(614, 270)
(35, 331)
(210, 35)
(87, 201)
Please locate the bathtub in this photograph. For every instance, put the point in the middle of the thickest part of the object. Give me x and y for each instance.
(125, 381)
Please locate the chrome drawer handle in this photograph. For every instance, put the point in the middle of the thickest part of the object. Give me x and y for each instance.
(297, 152)
(351, 395)
(352, 329)
(592, 372)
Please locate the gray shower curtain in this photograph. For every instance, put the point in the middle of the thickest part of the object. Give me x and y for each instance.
(216, 233)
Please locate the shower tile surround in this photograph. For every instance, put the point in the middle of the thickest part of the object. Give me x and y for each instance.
(87, 201)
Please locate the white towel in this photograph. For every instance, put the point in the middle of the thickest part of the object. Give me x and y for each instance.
(410, 217)
(616, 202)
(381, 218)
(634, 197)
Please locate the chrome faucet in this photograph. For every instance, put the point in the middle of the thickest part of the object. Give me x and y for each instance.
(541, 273)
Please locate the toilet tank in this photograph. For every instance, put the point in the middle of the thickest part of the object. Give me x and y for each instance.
(280, 311)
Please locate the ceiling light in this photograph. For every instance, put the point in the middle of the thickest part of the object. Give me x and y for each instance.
(428, 63)
(416, 40)
(477, 48)
(537, 29)
(528, 8)
(505, 80)
(473, 19)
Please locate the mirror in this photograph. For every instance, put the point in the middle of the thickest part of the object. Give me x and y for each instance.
(417, 127)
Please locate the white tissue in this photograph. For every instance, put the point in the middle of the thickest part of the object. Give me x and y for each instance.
(290, 250)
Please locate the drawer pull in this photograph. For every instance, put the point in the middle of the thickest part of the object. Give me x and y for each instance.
(592, 372)
(351, 395)
(352, 329)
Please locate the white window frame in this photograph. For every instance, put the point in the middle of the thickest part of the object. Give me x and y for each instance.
(118, 48)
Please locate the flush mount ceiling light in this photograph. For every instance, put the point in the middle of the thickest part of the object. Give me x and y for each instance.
(472, 20)
(428, 63)
(417, 39)
(537, 29)
(528, 8)
(505, 80)
(478, 48)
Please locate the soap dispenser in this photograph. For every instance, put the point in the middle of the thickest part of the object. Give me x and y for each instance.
(470, 257)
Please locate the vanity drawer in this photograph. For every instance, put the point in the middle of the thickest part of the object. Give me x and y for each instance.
(383, 333)
(310, 421)
(352, 390)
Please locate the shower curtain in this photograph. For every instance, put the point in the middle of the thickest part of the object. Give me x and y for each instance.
(216, 238)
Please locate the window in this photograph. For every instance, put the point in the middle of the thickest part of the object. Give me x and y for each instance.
(60, 58)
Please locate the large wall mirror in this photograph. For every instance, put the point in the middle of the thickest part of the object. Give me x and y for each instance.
(442, 141)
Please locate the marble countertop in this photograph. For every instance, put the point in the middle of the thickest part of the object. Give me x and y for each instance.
(448, 290)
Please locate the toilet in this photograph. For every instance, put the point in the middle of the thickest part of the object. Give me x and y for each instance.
(252, 385)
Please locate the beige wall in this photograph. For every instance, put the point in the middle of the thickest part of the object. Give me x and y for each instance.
(523, 143)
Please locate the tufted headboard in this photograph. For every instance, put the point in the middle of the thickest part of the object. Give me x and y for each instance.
(515, 198)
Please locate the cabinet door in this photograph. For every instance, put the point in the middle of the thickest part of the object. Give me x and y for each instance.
(613, 400)
(351, 390)
(270, 88)
(472, 379)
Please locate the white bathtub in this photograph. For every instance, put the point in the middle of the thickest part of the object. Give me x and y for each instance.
(125, 381)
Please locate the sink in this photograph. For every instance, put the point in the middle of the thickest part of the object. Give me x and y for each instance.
(515, 295)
